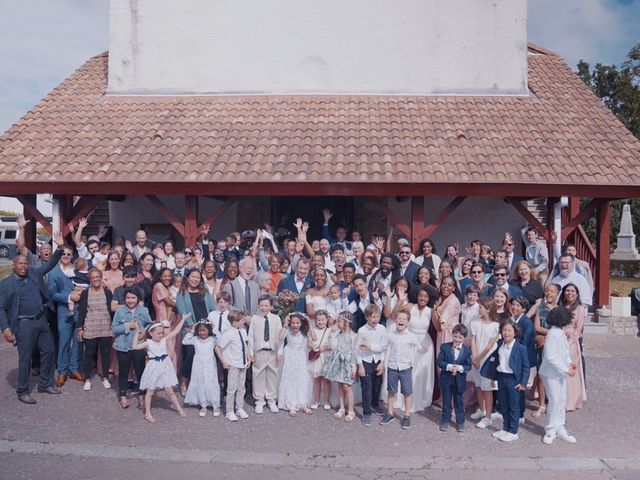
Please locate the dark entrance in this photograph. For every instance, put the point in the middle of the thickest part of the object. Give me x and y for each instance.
(285, 210)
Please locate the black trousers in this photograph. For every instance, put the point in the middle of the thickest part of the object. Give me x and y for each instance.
(371, 384)
(52, 320)
(90, 356)
(125, 359)
(34, 334)
(188, 352)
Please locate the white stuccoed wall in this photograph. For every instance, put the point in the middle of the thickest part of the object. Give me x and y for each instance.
(318, 47)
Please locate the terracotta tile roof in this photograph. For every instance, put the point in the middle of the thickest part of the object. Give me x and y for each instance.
(560, 134)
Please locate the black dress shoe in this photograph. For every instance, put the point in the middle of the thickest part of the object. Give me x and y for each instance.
(26, 398)
(49, 390)
(35, 371)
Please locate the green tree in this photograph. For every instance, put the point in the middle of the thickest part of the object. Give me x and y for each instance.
(619, 89)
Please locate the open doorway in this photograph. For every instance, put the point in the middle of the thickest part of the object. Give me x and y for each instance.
(285, 210)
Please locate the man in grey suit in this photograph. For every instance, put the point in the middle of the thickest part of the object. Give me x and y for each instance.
(23, 303)
(244, 291)
(537, 253)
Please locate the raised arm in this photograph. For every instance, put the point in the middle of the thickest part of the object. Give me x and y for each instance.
(178, 327)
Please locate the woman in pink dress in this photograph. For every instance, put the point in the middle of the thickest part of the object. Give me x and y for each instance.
(576, 393)
(164, 306)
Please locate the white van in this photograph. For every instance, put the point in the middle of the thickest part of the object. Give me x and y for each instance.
(8, 235)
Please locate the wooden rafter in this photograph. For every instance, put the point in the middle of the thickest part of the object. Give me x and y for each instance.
(582, 216)
(442, 216)
(397, 222)
(35, 213)
(166, 213)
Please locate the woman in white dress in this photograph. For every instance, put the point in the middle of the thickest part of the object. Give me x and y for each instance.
(316, 298)
(423, 371)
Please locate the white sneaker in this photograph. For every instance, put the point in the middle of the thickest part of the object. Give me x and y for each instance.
(327, 406)
(202, 412)
(478, 415)
(521, 421)
(216, 412)
(548, 439)
(509, 437)
(241, 413)
(273, 407)
(87, 385)
(259, 409)
(232, 417)
(496, 416)
(484, 423)
(566, 437)
(106, 383)
(498, 434)
(314, 406)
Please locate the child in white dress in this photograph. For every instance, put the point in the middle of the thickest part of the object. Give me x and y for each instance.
(335, 303)
(485, 334)
(294, 389)
(203, 388)
(159, 371)
(321, 345)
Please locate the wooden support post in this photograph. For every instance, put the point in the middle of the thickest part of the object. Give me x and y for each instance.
(549, 234)
(417, 222)
(191, 231)
(83, 207)
(32, 215)
(442, 216)
(166, 213)
(581, 217)
(602, 273)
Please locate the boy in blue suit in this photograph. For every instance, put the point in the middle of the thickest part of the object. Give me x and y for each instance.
(509, 366)
(454, 361)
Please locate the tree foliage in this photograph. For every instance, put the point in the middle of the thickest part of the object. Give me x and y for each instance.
(619, 89)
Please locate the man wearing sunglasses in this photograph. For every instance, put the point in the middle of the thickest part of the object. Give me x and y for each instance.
(508, 245)
(501, 280)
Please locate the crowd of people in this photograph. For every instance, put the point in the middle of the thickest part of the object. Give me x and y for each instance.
(297, 322)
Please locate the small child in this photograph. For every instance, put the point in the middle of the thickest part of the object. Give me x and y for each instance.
(80, 281)
(469, 315)
(527, 337)
(203, 388)
(340, 363)
(321, 345)
(509, 366)
(454, 361)
(263, 342)
(399, 360)
(235, 356)
(483, 342)
(176, 285)
(294, 389)
(372, 343)
(159, 372)
(335, 304)
(102, 254)
(556, 365)
(218, 318)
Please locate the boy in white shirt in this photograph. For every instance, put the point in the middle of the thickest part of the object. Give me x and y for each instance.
(234, 354)
(400, 351)
(371, 343)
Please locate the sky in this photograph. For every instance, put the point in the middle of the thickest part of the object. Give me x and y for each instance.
(43, 41)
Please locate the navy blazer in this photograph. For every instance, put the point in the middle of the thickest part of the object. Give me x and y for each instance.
(411, 272)
(60, 287)
(10, 293)
(289, 283)
(445, 357)
(512, 290)
(528, 338)
(518, 362)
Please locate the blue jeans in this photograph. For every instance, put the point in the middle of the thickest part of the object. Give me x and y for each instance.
(69, 348)
(509, 401)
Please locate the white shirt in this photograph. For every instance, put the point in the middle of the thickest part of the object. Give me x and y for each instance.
(556, 361)
(231, 347)
(219, 320)
(456, 354)
(376, 338)
(401, 348)
(504, 354)
(299, 284)
(586, 294)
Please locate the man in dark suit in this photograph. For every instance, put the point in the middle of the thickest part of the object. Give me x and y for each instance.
(508, 245)
(408, 268)
(23, 302)
(244, 291)
(298, 283)
(454, 362)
